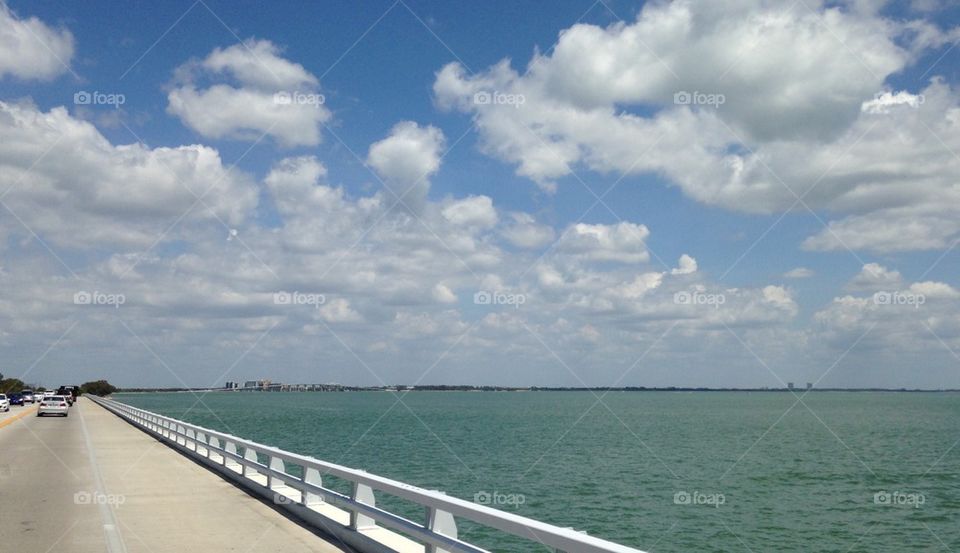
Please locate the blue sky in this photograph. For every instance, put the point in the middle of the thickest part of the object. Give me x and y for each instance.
(853, 101)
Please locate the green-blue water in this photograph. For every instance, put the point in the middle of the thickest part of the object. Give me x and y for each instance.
(790, 476)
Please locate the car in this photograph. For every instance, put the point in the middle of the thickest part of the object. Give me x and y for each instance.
(15, 399)
(54, 405)
(49, 393)
(4, 403)
(28, 396)
(67, 392)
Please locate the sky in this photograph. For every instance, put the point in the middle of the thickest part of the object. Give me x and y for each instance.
(605, 193)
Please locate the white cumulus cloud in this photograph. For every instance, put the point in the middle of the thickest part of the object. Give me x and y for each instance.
(747, 107)
(264, 94)
(30, 49)
(406, 159)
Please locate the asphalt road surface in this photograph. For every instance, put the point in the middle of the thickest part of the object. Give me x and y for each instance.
(90, 482)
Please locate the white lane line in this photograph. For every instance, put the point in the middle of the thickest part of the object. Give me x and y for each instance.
(111, 529)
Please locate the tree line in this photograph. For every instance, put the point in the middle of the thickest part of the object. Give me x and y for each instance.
(95, 387)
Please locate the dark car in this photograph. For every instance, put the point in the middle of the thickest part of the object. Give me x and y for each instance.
(70, 392)
(15, 399)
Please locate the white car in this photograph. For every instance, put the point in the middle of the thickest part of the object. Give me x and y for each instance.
(49, 393)
(53, 405)
(4, 403)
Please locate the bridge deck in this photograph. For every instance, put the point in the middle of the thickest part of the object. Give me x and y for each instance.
(92, 483)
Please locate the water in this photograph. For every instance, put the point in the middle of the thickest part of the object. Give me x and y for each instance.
(664, 472)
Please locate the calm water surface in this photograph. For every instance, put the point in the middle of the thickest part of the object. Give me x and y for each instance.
(664, 472)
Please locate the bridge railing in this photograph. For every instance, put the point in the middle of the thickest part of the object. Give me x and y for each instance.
(437, 533)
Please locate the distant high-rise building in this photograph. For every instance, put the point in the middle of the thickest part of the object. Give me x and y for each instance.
(789, 385)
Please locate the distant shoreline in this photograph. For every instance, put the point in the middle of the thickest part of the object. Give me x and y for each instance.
(539, 389)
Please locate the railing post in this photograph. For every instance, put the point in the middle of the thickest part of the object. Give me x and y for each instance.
(276, 465)
(249, 455)
(230, 448)
(443, 523)
(362, 493)
(213, 447)
(311, 476)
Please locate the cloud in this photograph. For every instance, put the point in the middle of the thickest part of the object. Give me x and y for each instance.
(406, 159)
(523, 231)
(443, 294)
(799, 272)
(392, 283)
(257, 63)
(885, 101)
(623, 242)
(774, 63)
(266, 95)
(122, 195)
(201, 279)
(686, 265)
(476, 211)
(292, 182)
(756, 126)
(339, 311)
(30, 49)
(895, 325)
(873, 277)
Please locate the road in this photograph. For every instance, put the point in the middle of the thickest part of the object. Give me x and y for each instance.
(92, 483)
(43, 463)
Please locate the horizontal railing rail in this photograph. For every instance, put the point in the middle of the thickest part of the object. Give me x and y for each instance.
(438, 532)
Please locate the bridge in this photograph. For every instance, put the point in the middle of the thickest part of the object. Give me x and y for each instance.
(111, 477)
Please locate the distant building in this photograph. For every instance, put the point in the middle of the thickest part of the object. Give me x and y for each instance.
(789, 385)
(266, 385)
(809, 385)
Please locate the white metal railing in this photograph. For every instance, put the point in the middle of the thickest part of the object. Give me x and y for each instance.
(438, 532)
